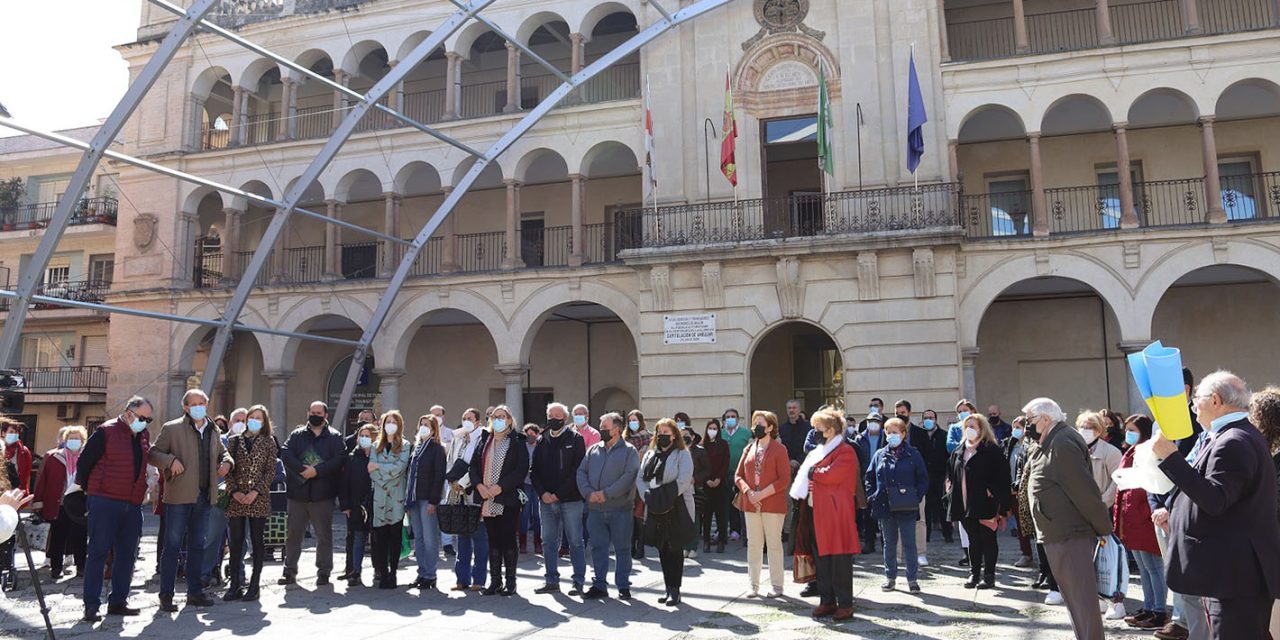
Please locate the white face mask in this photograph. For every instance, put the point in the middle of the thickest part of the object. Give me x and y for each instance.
(424, 432)
(970, 434)
(1088, 435)
(391, 428)
(237, 428)
(468, 426)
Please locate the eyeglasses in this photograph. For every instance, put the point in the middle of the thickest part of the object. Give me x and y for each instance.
(143, 418)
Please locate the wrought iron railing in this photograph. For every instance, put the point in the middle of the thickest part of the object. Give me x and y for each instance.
(1251, 197)
(304, 264)
(1170, 203)
(242, 267)
(361, 260)
(99, 210)
(997, 215)
(599, 244)
(88, 379)
(481, 251)
(430, 259)
(208, 271)
(77, 290)
(1085, 209)
(931, 206)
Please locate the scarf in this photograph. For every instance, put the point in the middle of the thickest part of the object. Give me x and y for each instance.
(800, 487)
(899, 452)
(494, 456)
(656, 466)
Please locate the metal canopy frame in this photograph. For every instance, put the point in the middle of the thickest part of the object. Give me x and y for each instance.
(192, 20)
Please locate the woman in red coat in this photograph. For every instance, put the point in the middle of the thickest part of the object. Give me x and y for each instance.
(1131, 517)
(828, 481)
(66, 536)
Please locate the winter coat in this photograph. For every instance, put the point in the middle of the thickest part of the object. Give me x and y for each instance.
(390, 483)
(775, 472)
(254, 470)
(51, 483)
(717, 460)
(678, 469)
(1131, 515)
(514, 467)
(887, 474)
(979, 487)
(1065, 501)
(179, 440)
(554, 467)
(833, 490)
(356, 490)
(326, 453)
(1104, 459)
(426, 473)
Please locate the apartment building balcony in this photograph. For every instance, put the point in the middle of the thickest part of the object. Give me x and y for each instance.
(73, 385)
(1028, 27)
(98, 210)
(76, 290)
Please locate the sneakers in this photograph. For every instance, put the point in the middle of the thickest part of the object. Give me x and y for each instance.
(1116, 612)
(595, 593)
(888, 585)
(733, 536)
(1155, 621)
(1023, 562)
(1103, 606)
(922, 561)
(775, 592)
(914, 587)
(693, 554)
(1054, 598)
(1172, 631)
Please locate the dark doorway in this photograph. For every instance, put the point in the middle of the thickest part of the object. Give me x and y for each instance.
(792, 179)
(533, 243)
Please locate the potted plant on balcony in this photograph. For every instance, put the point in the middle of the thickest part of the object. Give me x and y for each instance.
(104, 211)
(12, 192)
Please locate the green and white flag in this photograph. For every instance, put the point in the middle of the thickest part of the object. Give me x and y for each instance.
(824, 124)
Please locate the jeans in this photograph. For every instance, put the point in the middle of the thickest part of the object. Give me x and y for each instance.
(426, 538)
(114, 527)
(610, 529)
(1154, 591)
(357, 541)
(185, 523)
(563, 518)
(900, 525)
(473, 557)
(529, 513)
(216, 535)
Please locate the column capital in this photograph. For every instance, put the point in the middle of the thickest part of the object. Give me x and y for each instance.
(277, 376)
(1132, 346)
(511, 47)
(1206, 120)
(333, 202)
(180, 375)
(392, 195)
(577, 177)
(969, 355)
(238, 89)
(1033, 136)
(290, 81)
(393, 374)
(452, 56)
(445, 190)
(232, 211)
(511, 370)
(512, 183)
(1120, 126)
(577, 38)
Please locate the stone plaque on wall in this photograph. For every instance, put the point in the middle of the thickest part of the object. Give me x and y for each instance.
(698, 328)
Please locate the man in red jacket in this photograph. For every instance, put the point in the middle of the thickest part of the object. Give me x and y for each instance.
(112, 469)
(17, 453)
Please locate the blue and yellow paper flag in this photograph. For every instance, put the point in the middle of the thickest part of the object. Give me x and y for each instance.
(1157, 370)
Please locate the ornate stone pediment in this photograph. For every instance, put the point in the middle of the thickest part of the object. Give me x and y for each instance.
(778, 76)
(781, 16)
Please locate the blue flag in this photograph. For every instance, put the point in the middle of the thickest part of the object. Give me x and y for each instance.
(915, 119)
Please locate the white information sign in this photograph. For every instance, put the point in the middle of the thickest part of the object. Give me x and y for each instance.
(698, 328)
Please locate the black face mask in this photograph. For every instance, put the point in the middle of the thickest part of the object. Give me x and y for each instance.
(688, 441)
(758, 431)
(605, 435)
(315, 421)
(664, 441)
(554, 424)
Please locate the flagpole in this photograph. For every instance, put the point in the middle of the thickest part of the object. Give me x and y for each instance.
(736, 172)
(915, 174)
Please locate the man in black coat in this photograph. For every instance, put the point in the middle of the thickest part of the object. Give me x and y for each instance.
(313, 457)
(1224, 541)
(554, 475)
(933, 446)
(793, 433)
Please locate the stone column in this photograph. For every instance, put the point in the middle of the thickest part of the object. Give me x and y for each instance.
(513, 79)
(1191, 16)
(953, 156)
(174, 388)
(1136, 403)
(288, 110)
(237, 113)
(969, 368)
(339, 98)
(576, 255)
(278, 400)
(196, 140)
(1128, 214)
(452, 75)
(278, 255)
(391, 226)
(1212, 184)
(513, 380)
(1039, 216)
(943, 42)
(332, 253)
(396, 97)
(244, 116)
(1020, 42)
(512, 259)
(389, 387)
(231, 245)
(1105, 37)
(449, 260)
(184, 272)
(576, 41)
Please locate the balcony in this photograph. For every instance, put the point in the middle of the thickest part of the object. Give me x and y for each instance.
(1048, 31)
(619, 82)
(66, 380)
(99, 210)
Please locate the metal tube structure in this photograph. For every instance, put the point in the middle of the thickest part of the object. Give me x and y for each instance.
(29, 278)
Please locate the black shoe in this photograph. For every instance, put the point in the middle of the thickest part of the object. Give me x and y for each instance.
(199, 600)
(624, 594)
(322, 581)
(122, 610)
(664, 598)
(720, 548)
(576, 590)
(233, 594)
(706, 547)
(354, 581)
(492, 590)
(987, 584)
(91, 616)
(429, 585)
(167, 605)
(810, 590)
(595, 593)
(673, 599)
(287, 579)
(449, 552)
(964, 561)
(548, 588)
(345, 575)
(251, 594)
(971, 583)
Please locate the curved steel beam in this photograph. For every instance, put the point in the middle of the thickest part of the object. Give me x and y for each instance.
(326, 154)
(29, 278)
(455, 196)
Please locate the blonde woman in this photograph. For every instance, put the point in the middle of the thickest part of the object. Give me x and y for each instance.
(254, 452)
(762, 478)
(387, 465)
(473, 550)
(425, 486)
(57, 474)
(978, 476)
(498, 468)
(668, 467)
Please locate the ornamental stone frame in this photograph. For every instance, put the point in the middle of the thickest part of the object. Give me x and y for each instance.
(778, 76)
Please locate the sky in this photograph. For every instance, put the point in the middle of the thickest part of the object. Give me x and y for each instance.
(59, 69)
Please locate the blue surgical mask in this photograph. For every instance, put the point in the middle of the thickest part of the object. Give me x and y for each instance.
(873, 409)
(730, 422)
(873, 428)
(138, 426)
(366, 442)
(579, 420)
(499, 425)
(681, 426)
(1131, 438)
(74, 445)
(11, 438)
(1017, 434)
(198, 412)
(962, 415)
(929, 424)
(634, 425)
(255, 425)
(894, 439)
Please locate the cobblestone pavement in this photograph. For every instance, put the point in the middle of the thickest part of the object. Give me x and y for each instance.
(715, 607)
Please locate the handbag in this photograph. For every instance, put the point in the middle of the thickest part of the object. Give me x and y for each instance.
(1112, 566)
(803, 569)
(457, 517)
(38, 535)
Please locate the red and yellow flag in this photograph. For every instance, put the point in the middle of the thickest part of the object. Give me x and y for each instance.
(728, 144)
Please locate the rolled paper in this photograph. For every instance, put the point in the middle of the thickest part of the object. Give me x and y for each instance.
(1141, 376)
(1168, 396)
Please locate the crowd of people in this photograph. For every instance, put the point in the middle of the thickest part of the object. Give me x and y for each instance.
(820, 489)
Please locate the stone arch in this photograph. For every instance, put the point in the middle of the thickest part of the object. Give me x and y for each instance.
(207, 80)
(990, 122)
(304, 315)
(615, 154)
(1162, 106)
(196, 194)
(600, 12)
(1173, 265)
(362, 177)
(1076, 113)
(763, 335)
(356, 54)
(530, 315)
(988, 286)
(252, 74)
(533, 22)
(411, 313)
(461, 41)
(417, 177)
(491, 177)
(188, 337)
(783, 69)
(546, 164)
(1248, 98)
(410, 43)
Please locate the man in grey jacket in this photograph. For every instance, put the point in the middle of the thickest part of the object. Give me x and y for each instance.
(1068, 511)
(607, 480)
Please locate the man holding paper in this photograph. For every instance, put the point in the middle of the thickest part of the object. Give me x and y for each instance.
(1224, 540)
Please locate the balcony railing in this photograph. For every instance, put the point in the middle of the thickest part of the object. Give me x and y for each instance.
(932, 206)
(619, 82)
(99, 210)
(77, 290)
(66, 379)
(304, 264)
(1251, 197)
(994, 215)
(1077, 29)
(599, 244)
(481, 251)
(208, 270)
